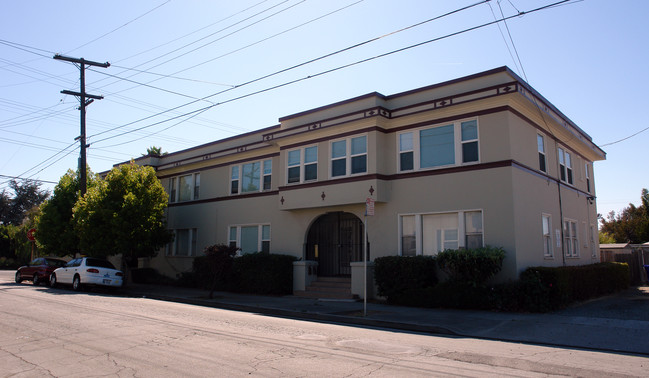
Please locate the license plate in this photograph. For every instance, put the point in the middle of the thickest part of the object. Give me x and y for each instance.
(106, 282)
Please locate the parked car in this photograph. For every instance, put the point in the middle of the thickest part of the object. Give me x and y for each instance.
(87, 271)
(38, 270)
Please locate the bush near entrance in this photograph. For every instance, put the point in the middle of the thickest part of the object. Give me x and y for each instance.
(253, 273)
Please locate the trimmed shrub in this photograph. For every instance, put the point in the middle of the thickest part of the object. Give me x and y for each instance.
(471, 266)
(263, 273)
(556, 288)
(405, 280)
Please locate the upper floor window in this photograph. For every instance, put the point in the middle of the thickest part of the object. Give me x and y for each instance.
(184, 188)
(406, 152)
(250, 178)
(587, 172)
(439, 146)
(349, 156)
(565, 166)
(302, 165)
(541, 147)
(469, 131)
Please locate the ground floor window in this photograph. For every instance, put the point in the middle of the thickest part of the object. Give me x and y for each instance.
(250, 238)
(184, 243)
(570, 240)
(431, 233)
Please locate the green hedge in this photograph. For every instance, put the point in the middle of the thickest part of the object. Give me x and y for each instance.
(263, 273)
(471, 266)
(557, 288)
(254, 273)
(411, 281)
(404, 280)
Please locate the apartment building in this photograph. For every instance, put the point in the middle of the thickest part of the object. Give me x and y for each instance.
(479, 160)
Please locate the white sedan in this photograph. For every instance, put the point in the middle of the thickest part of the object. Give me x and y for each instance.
(87, 271)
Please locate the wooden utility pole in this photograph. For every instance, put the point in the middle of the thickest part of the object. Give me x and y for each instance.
(85, 99)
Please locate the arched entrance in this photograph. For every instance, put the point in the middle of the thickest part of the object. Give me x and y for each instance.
(334, 240)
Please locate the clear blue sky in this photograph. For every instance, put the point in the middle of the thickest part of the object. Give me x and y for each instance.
(589, 58)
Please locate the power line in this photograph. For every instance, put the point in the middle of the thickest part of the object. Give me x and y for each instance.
(286, 70)
(24, 179)
(623, 139)
(330, 70)
(116, 29)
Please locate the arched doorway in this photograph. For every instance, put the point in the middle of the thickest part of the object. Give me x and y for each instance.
(335, 240)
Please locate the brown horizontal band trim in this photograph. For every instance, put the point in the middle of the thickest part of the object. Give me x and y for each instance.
(226, 198)
(235, 162)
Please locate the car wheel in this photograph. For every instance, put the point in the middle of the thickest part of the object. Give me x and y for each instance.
(36, 281)
(52, 280)
(18, 279)
(76, 283)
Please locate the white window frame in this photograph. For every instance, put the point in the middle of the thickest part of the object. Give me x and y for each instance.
(548, 251)
(476, 140)
(302, 164)
(461, 229)
(349, 156)
(458, 143)
(239, 179)
(566, 173)
(261, 239)
(540, 145)
(172, 247)
(402, 151)
(194, 190)
(571, 237)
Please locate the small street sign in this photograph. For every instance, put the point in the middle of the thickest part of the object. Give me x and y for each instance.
(369, 206)
(30, 234)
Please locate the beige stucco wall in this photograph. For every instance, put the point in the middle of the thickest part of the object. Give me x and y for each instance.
(505, 184)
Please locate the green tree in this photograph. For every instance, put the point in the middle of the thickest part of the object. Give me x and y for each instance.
(154, 151)
(631, 225)
(55, 233)
(605, 238)
(124, 214)
(27, 194)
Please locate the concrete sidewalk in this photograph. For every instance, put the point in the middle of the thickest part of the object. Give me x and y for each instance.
(618, 323)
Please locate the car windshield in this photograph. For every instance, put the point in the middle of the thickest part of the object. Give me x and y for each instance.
(55, 262)
(99, 263)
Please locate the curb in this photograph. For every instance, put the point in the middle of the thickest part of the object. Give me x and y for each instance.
(330, 318)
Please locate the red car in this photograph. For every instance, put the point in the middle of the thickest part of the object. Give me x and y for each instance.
(39, 270)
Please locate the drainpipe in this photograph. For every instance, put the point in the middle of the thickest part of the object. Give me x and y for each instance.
(563, 253)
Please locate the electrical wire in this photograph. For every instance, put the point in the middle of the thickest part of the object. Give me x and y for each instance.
(116, 29)
(292, 68)
(328, 71)
(625, 138)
